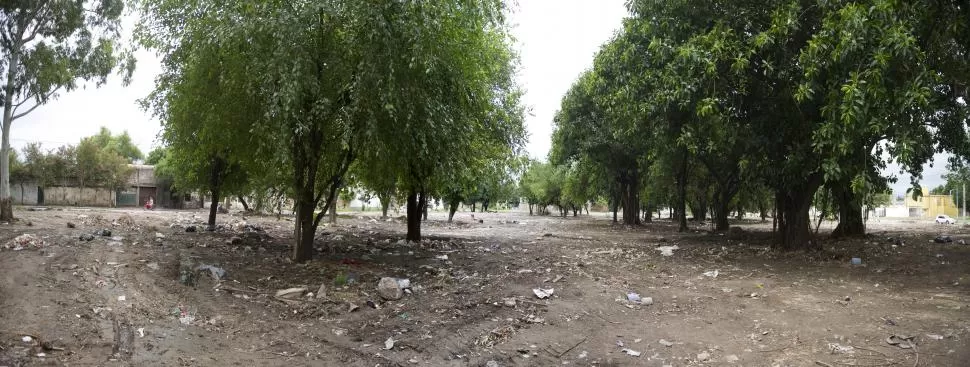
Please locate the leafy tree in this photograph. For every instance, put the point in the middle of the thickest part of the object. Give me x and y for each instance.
(334, 81)
(49, 47)
(156, 156)
(120, 144)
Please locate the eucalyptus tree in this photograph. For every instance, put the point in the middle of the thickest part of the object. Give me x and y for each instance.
(49, 47)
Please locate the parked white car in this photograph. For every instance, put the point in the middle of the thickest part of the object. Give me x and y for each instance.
(945, 219)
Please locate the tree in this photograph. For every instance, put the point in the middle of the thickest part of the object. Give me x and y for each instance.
(120, 144)
(48, 47)
(334, 81)
(156, 156)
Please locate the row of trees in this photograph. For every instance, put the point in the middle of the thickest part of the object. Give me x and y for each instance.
(765, 104)
(101, 160)
(300, 99)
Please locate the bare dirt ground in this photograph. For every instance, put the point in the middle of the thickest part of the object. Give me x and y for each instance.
(119, 300)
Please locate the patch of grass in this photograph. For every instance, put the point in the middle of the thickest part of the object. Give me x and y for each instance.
(340, 280)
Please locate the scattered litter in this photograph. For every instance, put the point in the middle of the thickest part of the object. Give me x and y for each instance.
(141, 332)
(935, 336)
(543, 293)
(389, 289)
(215, 272)
(943, 239)
(703, 356)
(712, 273)
(121, 298)
(836, 348)
(404, 283)
(322, 291)
(24, 241)
(102, 233)
(159, 235)
(491, 364)
(187, 319)
(902, 341)
(667, 250)
(509, 302)
(856, 261)
(339, 331)
(27, 339)
(631, 352)
(731, 358)
(442, 257)
(558, 278)
(291, 293)
(666, 343)
(633, 297)
(152, 265)
(389, 343)
(582, 355)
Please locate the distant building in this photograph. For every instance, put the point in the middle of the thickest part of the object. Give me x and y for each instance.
(929, 206)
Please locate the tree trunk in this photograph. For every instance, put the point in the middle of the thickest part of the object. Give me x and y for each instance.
(484, 206)
(243, 201)
(332, 210)
(530, 209)
(385, 200)
(630, 198)
(424, 205)
(213, 209)
(304, 229)
(452, 208)
(473, 207)
(722, 206)
(680, 205)
(414, 217)
(850, 212)
(13, 64)
(216, 172)
(793, 218)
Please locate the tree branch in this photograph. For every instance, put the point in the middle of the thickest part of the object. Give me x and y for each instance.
(32, 108)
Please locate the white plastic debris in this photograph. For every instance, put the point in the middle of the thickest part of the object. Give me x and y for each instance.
(631, 352)
(633, 297)
(121, 298)
(934, 336)
(543, 293)
(27, 339)
(141, 332)
(442, 257)
(667, 250)
(389, 343)
(712, 273)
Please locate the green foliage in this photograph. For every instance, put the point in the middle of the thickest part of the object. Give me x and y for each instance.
(50, 47)
(156, 156)
(119, 144)
(300, 91)
(88, 164)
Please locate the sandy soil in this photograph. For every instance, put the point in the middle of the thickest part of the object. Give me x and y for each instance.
(119, 300)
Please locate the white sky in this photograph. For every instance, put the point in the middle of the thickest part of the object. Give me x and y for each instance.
(556, 39)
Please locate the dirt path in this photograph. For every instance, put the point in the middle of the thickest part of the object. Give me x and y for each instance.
(763, 308)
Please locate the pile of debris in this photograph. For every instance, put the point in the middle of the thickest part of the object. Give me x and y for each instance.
(25, 241)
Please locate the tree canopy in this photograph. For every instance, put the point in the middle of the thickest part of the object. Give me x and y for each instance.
(49, 47)
(795, 96)
(303, 91)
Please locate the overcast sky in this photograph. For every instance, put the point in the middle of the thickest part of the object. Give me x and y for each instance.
(556, 40)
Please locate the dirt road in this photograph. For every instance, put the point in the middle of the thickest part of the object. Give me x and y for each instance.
(717, 299)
